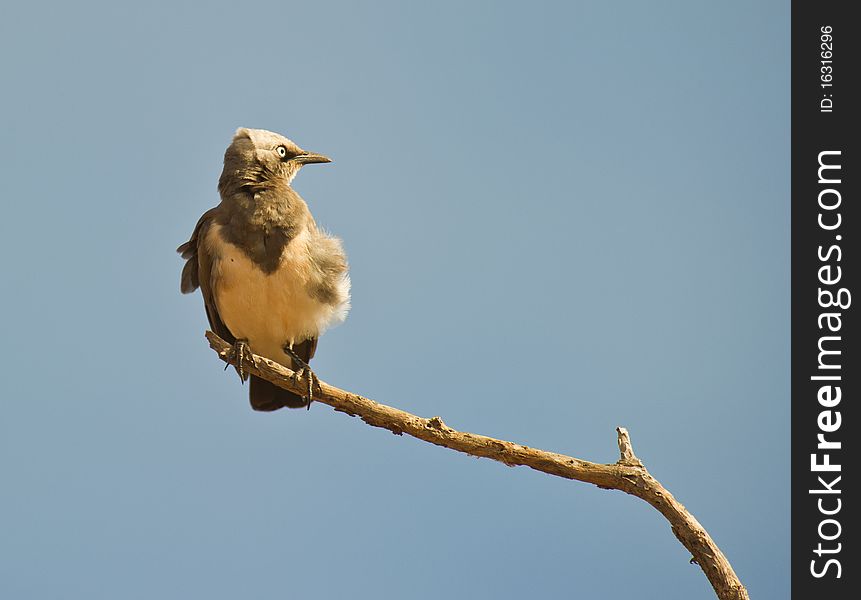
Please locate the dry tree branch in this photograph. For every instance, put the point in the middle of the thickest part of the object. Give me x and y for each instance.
(628, 474)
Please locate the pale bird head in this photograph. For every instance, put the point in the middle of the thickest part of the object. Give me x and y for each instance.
(260, 157)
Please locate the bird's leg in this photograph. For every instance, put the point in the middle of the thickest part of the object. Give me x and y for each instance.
(304, 371)
(241, 351)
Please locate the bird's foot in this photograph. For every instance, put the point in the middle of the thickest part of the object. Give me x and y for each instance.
(304, 372)
(240, 352)
(313, 382)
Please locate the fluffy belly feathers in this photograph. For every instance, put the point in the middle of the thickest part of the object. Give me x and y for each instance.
(270, 309)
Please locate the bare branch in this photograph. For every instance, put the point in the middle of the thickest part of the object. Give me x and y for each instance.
(628, 474)
(626, 449)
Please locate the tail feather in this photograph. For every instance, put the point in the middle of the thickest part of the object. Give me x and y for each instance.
(266, 396)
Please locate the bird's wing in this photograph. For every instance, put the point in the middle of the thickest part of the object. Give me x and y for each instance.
(190, 273)
(198, 273)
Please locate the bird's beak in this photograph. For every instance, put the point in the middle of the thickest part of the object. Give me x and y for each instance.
(310, 157)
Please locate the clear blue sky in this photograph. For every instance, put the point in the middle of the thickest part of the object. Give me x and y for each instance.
(561, 217)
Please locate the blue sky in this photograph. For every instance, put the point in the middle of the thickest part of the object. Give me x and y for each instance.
(560, 217)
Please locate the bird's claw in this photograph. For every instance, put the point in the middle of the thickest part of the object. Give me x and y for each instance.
(238, 353)
(312, 380)
(304, 372)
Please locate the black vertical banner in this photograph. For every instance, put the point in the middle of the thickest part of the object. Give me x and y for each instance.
(826, 366)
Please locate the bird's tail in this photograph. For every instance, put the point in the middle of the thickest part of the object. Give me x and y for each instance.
(266, 396)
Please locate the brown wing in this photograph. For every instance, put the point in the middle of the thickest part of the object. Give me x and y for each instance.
(197, 273)
(190, 280)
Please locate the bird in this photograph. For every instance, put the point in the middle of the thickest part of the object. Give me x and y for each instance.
(272, 281)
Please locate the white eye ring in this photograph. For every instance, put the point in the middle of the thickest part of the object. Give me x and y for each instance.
(282, 151)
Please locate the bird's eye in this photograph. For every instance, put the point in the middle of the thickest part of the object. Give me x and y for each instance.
(282, 151)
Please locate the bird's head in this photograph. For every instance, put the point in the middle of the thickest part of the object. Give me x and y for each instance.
(257, 156)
